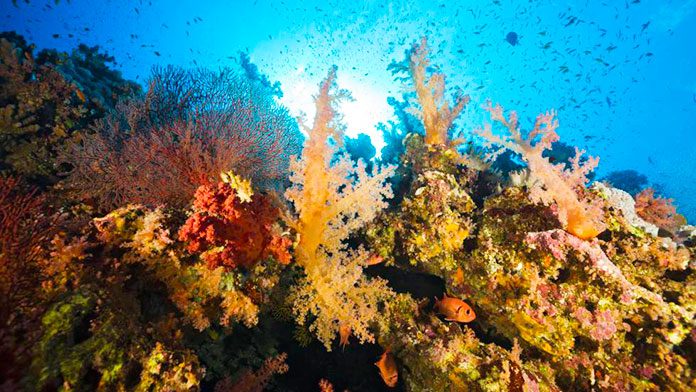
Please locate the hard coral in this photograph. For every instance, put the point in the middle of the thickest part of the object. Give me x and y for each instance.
(233, 233)
(551, 183)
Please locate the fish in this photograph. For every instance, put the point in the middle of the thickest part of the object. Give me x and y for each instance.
(454, 309)
(387, 369)
(374, 260)
(81, 95)
(512, 38)
(344, 333)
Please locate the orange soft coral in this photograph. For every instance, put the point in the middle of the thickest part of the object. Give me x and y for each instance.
(333, 198)
(435, 110)
(233, 233)
(551, 184)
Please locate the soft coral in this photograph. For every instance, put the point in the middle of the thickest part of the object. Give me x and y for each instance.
(552, 184)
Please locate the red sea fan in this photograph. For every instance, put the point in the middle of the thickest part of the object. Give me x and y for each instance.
(189, 127)
(25, 232)
(658, 210)
(231, 232)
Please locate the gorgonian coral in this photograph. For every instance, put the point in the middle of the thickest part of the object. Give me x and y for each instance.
(189, 127)
(26, 228)
(658, 210)
(333, 198)
(232, 232)
(550, 183)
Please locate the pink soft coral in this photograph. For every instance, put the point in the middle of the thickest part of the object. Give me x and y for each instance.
(552, 184)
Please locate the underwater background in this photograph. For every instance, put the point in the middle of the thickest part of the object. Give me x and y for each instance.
(360, 196)
(619, 73)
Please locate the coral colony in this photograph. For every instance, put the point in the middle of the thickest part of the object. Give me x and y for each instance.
(188, 236)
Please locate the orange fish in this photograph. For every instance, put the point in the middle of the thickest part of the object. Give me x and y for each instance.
(387, 369)
(454, 309)
(81, 95)
(344, 332)
(374, 259)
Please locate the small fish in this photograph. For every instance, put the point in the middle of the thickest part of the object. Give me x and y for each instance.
(81, 95)
(157, 53)
(512, 38)
(454, 309)
(387, 369)
(374, 260)
(344, 333)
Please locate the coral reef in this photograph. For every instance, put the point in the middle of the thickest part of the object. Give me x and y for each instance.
(187, 250)
(47, 100)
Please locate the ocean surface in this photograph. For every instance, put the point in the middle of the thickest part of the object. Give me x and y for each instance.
(621, 74)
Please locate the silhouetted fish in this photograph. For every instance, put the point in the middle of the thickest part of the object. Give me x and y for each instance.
(512, 38)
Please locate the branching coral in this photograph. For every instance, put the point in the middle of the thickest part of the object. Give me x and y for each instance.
(255, 381)
(551, 183)
(435, 111)
(332, 199)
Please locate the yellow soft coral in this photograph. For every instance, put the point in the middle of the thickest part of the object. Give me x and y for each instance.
(332, 198)
(435, 111)
(551, 183)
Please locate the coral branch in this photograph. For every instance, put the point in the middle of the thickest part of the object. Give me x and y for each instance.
(333, 198)
(551, 183)
(435, 111)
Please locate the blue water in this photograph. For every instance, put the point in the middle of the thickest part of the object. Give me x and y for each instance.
(622, 74)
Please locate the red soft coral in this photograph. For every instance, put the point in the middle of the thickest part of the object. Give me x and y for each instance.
(233, 233)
